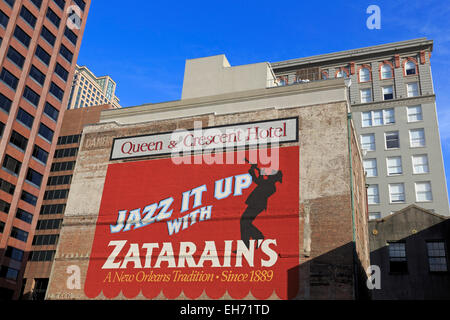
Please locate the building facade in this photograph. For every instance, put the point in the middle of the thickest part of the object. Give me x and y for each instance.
(394, 110)
(89, 90)
(38, 51)
(146, 220)
(411, 249)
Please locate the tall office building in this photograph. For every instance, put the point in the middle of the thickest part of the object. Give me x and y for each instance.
(89, 90)
(394, 110)
(40, 41)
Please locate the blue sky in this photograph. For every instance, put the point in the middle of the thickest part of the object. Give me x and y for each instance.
(143, 45)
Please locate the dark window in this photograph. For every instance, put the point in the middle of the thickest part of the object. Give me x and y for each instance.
(9, 273)
(45, 239)
(28, 16)
(66, 53)
(7, 187)
(49, 224)
(397, 257)
(2, 224)
(81, 4)
(10, 2)
(22, 36)
(19, 234)
(53, 208)
(51, 111)
(60, 71)
(37, 75)
(47, 35)
(18, 140)
(28, 197)
(4, 19)
(2, 127)
(42, 255)
(69, 152)
(24, 216)
(11, 164)
(53, 17)
(14, 253)
(37, 3)
(60, 3)
(69, 139)
(392, 140)
(31, 96)
(46, 132)
(70, 35)
(34, 177)
(40, 154)
(9, 79)
(56, 194)
(42, 55)
(437, 256)
(62, 166)
(5, 103)
(4, 206)
(56, 91)
(25, 118)
(15, 57)
(59, 180)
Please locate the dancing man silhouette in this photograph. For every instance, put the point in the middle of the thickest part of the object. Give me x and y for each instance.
(257, 202)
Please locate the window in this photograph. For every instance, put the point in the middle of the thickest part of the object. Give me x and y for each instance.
(56, 91)
(42, 55)
(392, 140)
(31, 96)
(37, 75)
(18, 140)
(374, 215)
(45, 132)
(14, 253)
(5, 103)
(378, 117)
(60, 3)
(25, 118)
(423, 191)
(29, 198)
(53, 17)
(37, 3)
(396, 192)
(40, 154)
(45, 240)
(62, 153)
(368, 142)
(9, 79)
(49, 224)
(4, 19)
(9, 273)
(42, 255)
(51, 111)
(7, 187)
(69, 139)
(388, 93)
(34, 177)
(437, 258)
(414, 113)
(394, 165)
(388, 116)
(81, 4)
(15, 57)
(410, 68)
(19, 234)
(59, 180)
(56, 194)
(2, 127)
(24, 216)
(12, 165)
(397, 257)
(342, 73)
(370, 167)
(366, 95)
(66, 53)
(373, 196)
(10, 2)
(60, 71)
(417, 138)
(71, 36)
(412, 89)
(28, 16)
(364, 75)
(48, 36)
(386, 71)
(4, 207)
(52, 208)
(22, 36)
(62, 166)
(2, 225)
(420, 164)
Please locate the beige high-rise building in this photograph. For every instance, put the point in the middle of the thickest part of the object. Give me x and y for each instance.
(89, 90)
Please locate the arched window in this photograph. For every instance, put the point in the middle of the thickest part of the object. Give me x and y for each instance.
(386, 71)
(324, 75)
(410, 68)
(342, 73)
(364, 74)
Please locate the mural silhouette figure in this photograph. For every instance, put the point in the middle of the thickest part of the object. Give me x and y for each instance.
(257, 202)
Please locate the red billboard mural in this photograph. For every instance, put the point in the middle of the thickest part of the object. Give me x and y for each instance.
(197, 229)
